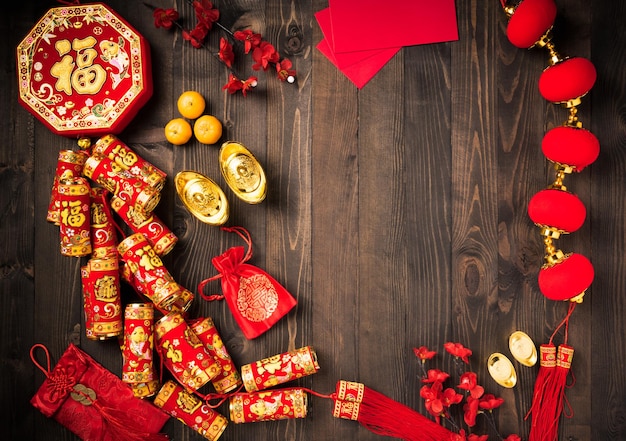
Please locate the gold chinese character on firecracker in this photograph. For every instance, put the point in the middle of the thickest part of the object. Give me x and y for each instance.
(71, 213)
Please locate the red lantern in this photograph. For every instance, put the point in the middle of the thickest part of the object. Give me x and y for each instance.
(567, 80)
(530, 21)
(568, 279)
(558, 210)
(571, 146)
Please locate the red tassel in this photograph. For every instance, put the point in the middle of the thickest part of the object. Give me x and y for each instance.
(384, 416)
(547, 367)
(555, 397)
(119, 427)
(549, 393)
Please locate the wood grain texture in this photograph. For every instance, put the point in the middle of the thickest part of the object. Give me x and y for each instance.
(396, 214)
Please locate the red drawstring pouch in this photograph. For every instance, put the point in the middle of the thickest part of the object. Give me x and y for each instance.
(92, 402)
(256, 299)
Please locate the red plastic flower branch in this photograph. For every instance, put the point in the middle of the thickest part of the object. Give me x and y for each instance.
(439, 400)
(263, 53)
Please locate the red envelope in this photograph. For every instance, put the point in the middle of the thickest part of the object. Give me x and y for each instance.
(345, 59)
(359, 73)
(365, 24)
(359, 67)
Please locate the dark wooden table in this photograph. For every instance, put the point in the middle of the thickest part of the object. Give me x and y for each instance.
(396, 215)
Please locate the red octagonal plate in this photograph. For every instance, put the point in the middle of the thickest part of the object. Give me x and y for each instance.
(84, 71)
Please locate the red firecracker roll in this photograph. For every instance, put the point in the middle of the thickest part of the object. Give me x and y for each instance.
(137, 350)
(530, 21)
(279, 369)
(114, 149)
(229, 378)
(103, 235)
(570, 146)
(75, 216)
(183, 354)
(121, 183)
(256, 300)
(69, 164)
(158, 234)
(188, 409)
(102, 298)
(567, 80)
(150, 276)
(271, 405)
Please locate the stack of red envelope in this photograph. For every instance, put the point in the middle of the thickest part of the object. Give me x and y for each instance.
(361, 36)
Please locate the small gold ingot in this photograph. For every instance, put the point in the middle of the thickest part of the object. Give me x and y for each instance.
(242, 172)
(501, 370)
(523, 348)
(202, 197)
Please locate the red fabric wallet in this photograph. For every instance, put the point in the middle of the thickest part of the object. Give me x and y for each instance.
(93, 403)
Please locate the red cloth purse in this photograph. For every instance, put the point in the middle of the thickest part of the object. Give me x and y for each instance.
(256, 299)
(93, 403)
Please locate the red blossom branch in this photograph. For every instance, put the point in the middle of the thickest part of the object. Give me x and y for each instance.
(439, 399)
(263, 53)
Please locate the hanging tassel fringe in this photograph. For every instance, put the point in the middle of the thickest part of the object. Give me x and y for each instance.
(118, 426)
(384, 416)
(547, 368)
(549, 393)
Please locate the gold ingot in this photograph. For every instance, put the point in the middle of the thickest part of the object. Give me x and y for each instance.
(523, 348)
(242, 172)
(501, 370)
(202, 197)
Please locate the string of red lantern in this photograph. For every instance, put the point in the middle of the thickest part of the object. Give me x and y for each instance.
(555, 210)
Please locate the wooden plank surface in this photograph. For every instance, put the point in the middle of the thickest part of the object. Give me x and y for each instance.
(396, 214)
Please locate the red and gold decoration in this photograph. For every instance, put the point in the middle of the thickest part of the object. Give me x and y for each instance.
(279, 369)
(271, 405)
(138, 348)
(149, 225)
(183, 354)
(383, 415)
(83, 71)
(555, 210)
(69, 165)
(191, 411)
(92, 402)
(256, 300)
(127, 159)
(263, 53)
(103, 236)
(229, 378)
(120, 182)
(151, 276)
(74, 216)
(102, 298)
